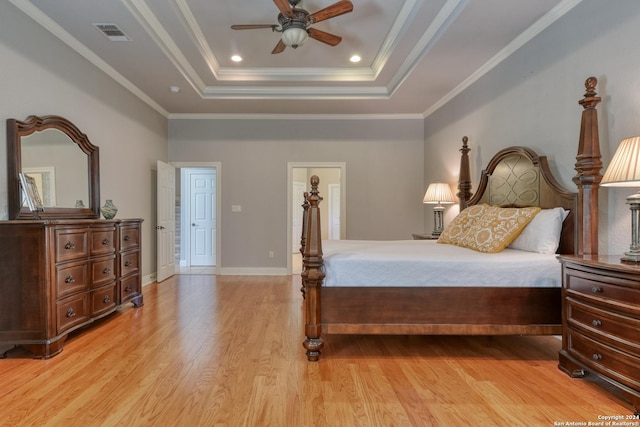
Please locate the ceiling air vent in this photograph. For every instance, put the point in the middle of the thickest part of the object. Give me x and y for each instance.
(112, 32)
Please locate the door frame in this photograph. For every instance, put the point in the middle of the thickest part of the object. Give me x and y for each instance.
(218, 168)
(343, 199)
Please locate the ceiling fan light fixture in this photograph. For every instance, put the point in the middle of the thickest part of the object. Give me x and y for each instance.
(294, 36)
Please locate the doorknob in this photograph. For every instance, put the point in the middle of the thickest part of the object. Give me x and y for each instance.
(159, 227)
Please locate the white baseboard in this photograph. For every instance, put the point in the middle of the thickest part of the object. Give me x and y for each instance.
(252, 271)
(148, 279)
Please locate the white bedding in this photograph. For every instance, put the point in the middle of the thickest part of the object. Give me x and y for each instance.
(428, 263)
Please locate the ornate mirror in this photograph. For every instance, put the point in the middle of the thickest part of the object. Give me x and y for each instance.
(61, 162)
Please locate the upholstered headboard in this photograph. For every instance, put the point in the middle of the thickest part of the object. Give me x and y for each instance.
(518, 177)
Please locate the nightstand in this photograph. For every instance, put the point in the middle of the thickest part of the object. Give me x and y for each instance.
(601, 323)
(420, 236)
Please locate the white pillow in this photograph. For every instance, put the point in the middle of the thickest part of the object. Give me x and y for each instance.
(542, 234)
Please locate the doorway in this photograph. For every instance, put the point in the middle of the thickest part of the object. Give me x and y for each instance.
(197, 248)
(332, 212)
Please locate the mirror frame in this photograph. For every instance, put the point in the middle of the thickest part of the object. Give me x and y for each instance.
(16, 129)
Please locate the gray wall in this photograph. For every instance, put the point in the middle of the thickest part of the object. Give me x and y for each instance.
(40, 75)
(532, 98)
(384, 176)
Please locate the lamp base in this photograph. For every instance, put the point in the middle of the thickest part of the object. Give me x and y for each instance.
(438, 221)
(631, 258)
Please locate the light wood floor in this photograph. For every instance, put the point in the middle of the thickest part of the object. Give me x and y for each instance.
(226, 351)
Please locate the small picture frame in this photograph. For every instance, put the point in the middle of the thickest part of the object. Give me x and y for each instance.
(30, 191)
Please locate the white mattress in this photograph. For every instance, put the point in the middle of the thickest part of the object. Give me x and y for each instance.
(428, 263)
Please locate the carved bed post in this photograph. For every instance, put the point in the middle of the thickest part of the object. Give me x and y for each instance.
(464, 178)
(313, 274)
(588, 166)
(303, 236)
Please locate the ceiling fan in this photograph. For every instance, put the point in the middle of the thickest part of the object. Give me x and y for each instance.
(295, 22)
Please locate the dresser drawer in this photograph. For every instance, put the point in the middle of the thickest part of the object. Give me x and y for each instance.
(103, 241)
(103, 270)
(71, 244)
(103, 300)
(129, 288)
(613, 363)
(71, 277)
(594, 288)
(614, 329)
(129, 263)
(72, 311)
(129, 237)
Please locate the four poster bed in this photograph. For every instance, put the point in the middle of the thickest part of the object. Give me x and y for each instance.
(428, 298)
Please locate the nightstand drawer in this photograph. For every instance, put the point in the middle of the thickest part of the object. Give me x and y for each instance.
(614, 329)
(613, 363)
(592, 287)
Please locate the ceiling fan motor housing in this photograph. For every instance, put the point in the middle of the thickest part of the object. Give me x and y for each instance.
(298, 19)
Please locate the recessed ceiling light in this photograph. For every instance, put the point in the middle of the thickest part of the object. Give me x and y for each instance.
(236, 58)
(174, 89)
(355, 58)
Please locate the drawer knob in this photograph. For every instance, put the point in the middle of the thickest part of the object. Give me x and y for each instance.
(128, 289)
(106, 270)
(106, 242)
(71, 312)
(69, 245)
(127, 263)
(596, 290)
(127, 238)
(596, 322)
(106, 299)
(596, 356)
(69, 279)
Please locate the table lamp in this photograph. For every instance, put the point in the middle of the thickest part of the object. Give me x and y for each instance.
(438, 193)
(624, 171)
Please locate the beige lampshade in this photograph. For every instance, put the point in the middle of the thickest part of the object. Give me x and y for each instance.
(624, 169)
(438, 193)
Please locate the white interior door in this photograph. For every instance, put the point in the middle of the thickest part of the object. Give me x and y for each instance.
(202, 184)
(166, 228)
(334, 211)
(298, 199)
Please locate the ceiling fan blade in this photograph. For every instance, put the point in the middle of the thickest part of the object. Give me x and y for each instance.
(324, 37)
(284, 7)
(336, 9)
(253, 26)
(280, 47)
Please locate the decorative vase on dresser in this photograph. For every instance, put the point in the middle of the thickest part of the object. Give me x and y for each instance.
(109, 210)
(601, 323)
(61, 268)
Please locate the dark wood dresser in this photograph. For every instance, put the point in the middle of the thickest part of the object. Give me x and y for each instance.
(59, 275)
(601, 323)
